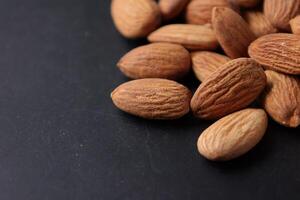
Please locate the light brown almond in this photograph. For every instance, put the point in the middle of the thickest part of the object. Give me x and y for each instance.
(206, 62)
(157, 60)
(280, 12)
(233, 135)
(279, 52)
(295, 25)
(152, 98)
(135, 18)
(230, 88)
(258, 23)
(171, 8)
(246, 3)
(194, 37)
(232, 32)
(200, 11)
(281, 98)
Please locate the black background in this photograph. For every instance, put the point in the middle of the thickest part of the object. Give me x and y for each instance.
(61, 137)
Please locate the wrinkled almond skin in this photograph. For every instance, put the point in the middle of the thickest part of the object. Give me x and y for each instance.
(193, 37)
(230, 88)
(206, 62)
(246, 3)
(280, 12)
(233, 135)
(258, 23)
(135, 18)
(200, 11)
(295, 25)
(278, 52)
(232, 32)
(157, 60)
(281, 98)
(152, 98)
(171, 8)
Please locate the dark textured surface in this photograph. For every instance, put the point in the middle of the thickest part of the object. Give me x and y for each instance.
(61, 138)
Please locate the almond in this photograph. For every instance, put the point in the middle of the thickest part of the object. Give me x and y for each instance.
(233, 135)
(171, 8)
(245, 3)
(281, 98)
(135, 18)
(279, 52)
(295, 25)
(280, 12)
(230, 88)
(157, 60)
(152, 98)
(232, 32)
(205, 63)
(200, 11)
(194, 37)
(258, 23)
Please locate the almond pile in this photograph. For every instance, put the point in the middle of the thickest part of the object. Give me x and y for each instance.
(242, 51)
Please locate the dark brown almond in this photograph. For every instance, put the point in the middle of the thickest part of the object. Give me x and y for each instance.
(279, 52)
(230, 88)
(152, 98)
(194, 37)
(246, 3)
(232, 32)
(206, 62)
(157, 60)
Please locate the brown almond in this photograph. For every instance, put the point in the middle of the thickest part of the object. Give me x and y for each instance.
(279, 52)
(258, 23)
(200, 11)
(206, 62)
(135, 18)
(152, 98)
(157, 60)
(194, 37)
(246, 3)
(233, 135)
(230, 88)
(280, 12)
(171, 8)
(295, 25)
(232, 32)
(281, 98)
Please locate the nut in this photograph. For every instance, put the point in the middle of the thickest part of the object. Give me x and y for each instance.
(233, 135)
(230, 88)
(152, 98)
(281, 98)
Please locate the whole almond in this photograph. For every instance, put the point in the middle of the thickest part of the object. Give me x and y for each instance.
(152, 98)
(246, 3)
(200, 11)
(206, 62)
(171, 8)
(233, 135)
(295, 25)
(281, 98)
(194, 37)
(258, 23)
(232, 32)
(280, 12)
(135, 18)
(230, 88)
(157, 60)
(279, 52)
